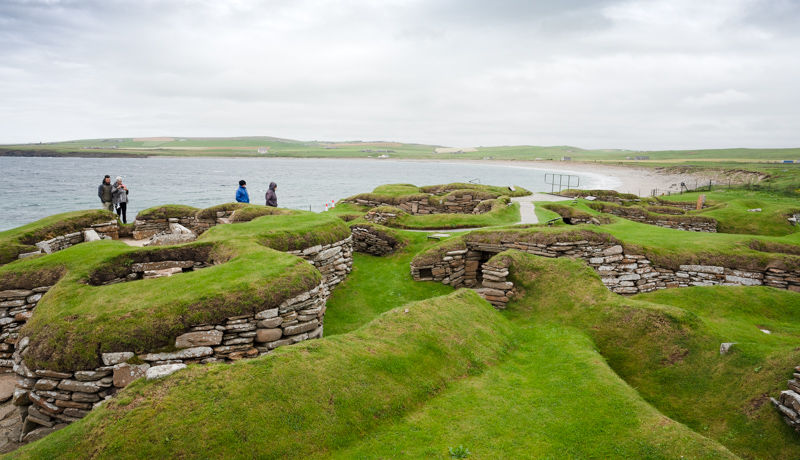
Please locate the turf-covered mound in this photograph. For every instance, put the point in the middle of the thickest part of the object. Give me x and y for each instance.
(76, 320)
(495, 212)
(435, 198)
(22, 239)
(669, 351)
(670, 219)
(306, 400)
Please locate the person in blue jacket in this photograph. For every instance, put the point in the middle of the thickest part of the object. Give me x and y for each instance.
(241, 193)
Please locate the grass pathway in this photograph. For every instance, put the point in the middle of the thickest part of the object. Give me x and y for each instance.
(552, 397)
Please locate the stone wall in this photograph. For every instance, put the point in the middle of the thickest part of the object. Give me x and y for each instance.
(621, 272)
(146, 228)
(16, 307)
(333, 260)
(105, 230)
(497, 290)
(455, 204)
(698, 224)
(788, 403)
(368, 240)
(50, 399)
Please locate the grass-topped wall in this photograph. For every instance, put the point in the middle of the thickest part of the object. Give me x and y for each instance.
(168, 211)
(493, 213)
(76, 320)
(434, 199)
(22, 239)
(334, 391)
(664, 247)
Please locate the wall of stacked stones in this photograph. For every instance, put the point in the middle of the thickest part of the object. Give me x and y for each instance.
(333, 260)
(47, 398)
(104, 230)
(464, 204)
(147, 228)
(497, 290)
(16, 308)
(788, 403)
(621, 272)
(709, 226)
(369, 241)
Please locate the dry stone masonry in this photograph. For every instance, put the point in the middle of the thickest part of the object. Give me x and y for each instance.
(147, 228)
(370, 241)
(16, 308)
(105, 230)
(788, 403)
(333, 260)
(497, 290)
(48, 399)
(621, 272)
(458, 202)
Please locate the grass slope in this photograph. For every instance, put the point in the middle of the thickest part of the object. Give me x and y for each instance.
(312, 398)
(670, 354)
(75, 321)
(378, 284)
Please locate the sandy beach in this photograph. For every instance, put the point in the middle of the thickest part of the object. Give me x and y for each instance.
(625, 179)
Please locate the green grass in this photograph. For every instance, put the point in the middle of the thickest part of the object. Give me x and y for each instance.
(313, 398)
(733, 217)
(22, 239)
(75, 321)
(552, 397)
(378, 284)
(670, 354)
(501, 214)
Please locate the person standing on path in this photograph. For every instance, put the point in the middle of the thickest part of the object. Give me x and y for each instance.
(241, 193)
(272, 199)
(105, 193)
(120, 194)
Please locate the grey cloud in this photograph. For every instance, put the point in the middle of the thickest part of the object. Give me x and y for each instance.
(628, 74)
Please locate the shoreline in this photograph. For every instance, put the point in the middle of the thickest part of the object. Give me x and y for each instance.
(624, 179)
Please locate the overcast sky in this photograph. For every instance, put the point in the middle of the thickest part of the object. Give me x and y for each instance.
(589, 73)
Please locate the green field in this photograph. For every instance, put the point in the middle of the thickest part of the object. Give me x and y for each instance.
(248, 146)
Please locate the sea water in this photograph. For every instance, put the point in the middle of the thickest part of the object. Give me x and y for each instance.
(36, 187)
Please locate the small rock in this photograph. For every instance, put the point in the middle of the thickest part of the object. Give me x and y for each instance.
(725, 346)
(157, 372)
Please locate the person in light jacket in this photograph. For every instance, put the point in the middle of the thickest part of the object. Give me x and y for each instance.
(272, 199)
(120, 199)
(241, 193)
(104, 192)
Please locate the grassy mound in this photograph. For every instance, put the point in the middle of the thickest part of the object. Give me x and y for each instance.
(567, 211)
(332, 391)
(495, 190)
(22, 239)
(669, 351)
(731, 211)
(434, 195)
(76, 320)
(600, 193)
(501, 213)
(169, 211)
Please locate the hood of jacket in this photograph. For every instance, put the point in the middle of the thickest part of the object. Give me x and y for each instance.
(272, 185)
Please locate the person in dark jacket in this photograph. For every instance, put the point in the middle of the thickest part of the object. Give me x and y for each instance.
(120, 199)
(241, 193)
(105, 193)
(272, 199)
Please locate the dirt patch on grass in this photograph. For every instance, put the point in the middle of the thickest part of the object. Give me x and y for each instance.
(754, 405)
